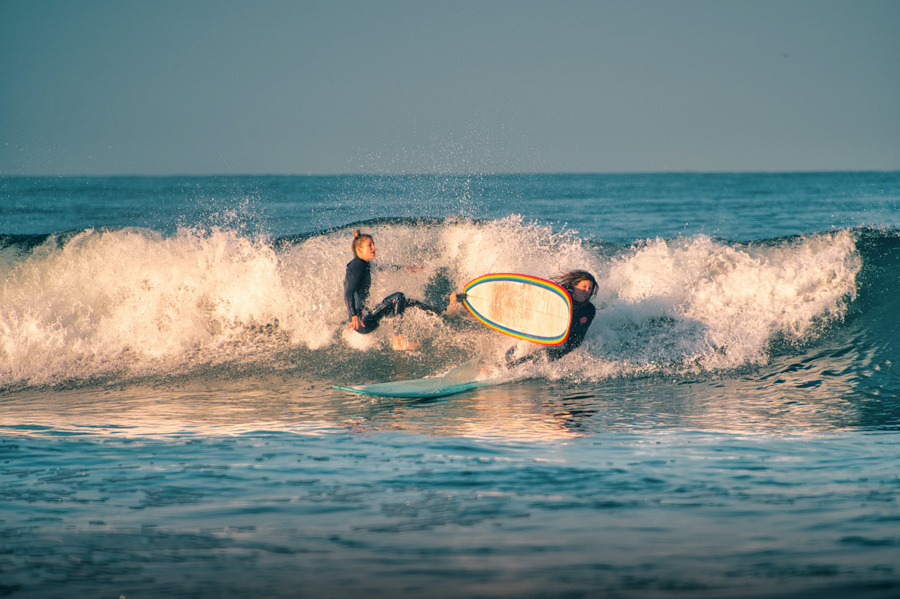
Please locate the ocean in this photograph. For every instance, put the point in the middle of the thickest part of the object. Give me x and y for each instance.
(729, 428)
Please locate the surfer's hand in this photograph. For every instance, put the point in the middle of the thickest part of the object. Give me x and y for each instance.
(355, 323)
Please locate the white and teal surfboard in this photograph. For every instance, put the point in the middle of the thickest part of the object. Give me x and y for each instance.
(459, 380)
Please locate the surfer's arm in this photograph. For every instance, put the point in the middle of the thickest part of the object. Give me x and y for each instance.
(577, 331)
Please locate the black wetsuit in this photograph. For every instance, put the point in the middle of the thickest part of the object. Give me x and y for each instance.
(357, 281)
(582, 317)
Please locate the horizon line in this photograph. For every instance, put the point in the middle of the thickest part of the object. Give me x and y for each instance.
(448, 174)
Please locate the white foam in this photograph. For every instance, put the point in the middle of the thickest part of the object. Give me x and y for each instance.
(131, 302)
(700, 302)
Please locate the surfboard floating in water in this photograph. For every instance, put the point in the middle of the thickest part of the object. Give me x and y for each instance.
(459, 380)
(433, 386)
(522, 306)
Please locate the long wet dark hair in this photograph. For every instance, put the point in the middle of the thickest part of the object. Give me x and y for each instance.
(569, 279)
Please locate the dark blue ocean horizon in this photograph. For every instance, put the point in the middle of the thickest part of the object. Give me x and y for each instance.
(642, 204)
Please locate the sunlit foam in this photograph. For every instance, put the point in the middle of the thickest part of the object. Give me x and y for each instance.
(131, 303)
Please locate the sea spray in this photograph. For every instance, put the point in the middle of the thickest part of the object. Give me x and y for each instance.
(708, 304)
(118, 304)
(131, 301)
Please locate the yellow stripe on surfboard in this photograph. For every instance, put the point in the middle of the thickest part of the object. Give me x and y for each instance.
(521, 306)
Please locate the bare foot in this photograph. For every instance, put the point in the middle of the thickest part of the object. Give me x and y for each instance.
(401, 343)
(453, 307)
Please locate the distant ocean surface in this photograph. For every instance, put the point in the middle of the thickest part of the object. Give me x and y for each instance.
(729, 428)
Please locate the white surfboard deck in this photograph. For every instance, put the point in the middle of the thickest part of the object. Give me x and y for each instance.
(522, 306)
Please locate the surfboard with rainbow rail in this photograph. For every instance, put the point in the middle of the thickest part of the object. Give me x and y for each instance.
(520, 305)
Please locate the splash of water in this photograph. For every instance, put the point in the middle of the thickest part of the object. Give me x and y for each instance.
(118, 304)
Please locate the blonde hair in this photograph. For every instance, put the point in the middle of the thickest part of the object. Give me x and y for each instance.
(358, 239)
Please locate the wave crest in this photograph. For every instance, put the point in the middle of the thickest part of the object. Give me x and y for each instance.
(118, 304)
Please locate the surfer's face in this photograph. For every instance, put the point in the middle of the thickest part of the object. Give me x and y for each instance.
(366, 250)
(582, 291)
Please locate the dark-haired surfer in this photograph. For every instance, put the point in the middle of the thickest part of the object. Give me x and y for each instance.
(581, 286)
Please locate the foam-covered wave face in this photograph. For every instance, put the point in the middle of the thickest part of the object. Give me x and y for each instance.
(701, 304)
(129, 303)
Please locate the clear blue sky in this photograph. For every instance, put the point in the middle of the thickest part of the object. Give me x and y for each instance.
(488, 86)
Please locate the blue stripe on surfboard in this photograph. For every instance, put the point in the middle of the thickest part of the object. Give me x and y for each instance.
(528, 280)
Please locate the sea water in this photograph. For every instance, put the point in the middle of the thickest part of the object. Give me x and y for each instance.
(729, 428)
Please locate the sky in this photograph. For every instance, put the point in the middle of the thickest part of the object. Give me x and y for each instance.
(163, 87)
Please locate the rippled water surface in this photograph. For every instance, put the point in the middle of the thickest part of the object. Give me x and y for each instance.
(168, 425)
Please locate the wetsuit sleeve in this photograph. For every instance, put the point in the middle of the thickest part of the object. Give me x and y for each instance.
(352, 280)
(581, 322)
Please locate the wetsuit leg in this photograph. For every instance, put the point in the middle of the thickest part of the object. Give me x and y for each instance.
(513, 362)
(393, 305)
(411, 303)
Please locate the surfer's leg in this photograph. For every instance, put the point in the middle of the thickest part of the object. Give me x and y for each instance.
(411, 303)
(368, 325)
(392, 305)
(513, 362)
(396, 304)
(370, 322)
